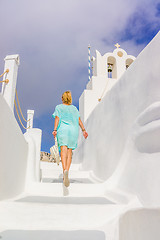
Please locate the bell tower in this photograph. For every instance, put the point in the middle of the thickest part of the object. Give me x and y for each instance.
(106, 71)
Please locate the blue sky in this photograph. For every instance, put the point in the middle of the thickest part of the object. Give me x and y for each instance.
(52, 37)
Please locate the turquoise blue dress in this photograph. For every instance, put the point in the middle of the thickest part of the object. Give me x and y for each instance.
(68, 127)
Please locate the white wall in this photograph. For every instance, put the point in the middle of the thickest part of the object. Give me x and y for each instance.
(140, 224)
(33, 137)
(138, 170)
(13, 154)
(112, 125)
(96, 88)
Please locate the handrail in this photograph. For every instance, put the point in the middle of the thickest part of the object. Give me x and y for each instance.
(19, 116)
(7, 71)
(20, 111)
(20, 108)
(6, 80)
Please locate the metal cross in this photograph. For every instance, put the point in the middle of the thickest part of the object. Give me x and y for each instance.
(117, 45)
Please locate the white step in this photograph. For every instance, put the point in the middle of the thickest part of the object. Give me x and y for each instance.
(59, 190)
(48, 210)
(51, 218)
(52, 182)
(52, 173)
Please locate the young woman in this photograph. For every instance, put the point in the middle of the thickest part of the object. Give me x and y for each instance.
(66, 128)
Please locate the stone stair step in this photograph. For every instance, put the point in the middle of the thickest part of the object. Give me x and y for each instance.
(58, 189)
(52, 213)
(52, 173)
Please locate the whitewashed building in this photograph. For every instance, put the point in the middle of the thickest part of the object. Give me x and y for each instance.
(106, 70)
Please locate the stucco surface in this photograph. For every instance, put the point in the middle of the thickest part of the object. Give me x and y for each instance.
(124, 130)
(13, 154)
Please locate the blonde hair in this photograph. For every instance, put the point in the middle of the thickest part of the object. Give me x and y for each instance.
(67, 97)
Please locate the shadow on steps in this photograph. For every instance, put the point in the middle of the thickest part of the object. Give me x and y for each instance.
(72, 180)
(65, 200)
(50, 235)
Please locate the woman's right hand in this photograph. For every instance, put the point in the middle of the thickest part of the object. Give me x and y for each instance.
(85, 134)
(54, 133)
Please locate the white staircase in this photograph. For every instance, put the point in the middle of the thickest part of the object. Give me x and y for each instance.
(48, 210)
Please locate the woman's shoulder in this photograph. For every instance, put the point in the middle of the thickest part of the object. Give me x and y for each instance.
(59, 106)
(63, 106)
(74, 107)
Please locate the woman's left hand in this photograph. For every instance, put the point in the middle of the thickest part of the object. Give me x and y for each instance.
(54, 133)
(85, 134)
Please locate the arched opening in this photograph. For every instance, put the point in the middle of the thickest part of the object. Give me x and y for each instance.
(128, 62)
(111, 67)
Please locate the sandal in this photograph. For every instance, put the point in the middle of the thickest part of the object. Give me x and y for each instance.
(66, 179)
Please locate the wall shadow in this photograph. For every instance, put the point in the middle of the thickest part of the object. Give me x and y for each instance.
(52, 235)
(66, 200)
(72, 180)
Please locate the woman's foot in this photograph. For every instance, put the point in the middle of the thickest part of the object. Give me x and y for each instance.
(66, 179)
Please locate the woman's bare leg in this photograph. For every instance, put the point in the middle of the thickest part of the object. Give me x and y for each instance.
(64, 152)
(69, 158)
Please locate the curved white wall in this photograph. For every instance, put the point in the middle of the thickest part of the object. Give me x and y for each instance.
(111, 127)
(140, 224)
(13, 154)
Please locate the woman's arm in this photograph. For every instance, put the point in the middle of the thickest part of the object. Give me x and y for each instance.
(85, 134)
(55, 126)
(81, 124)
